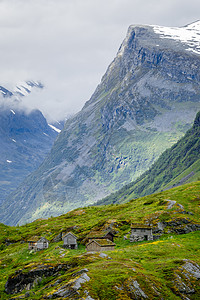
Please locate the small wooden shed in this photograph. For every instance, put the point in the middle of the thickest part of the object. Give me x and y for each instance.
(109, 235)
(42, 243)
(100, 245)
(70, 241)
(32, 242)
(38, 243)
(141, 233)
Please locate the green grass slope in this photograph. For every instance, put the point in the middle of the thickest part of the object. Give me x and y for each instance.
(177, 165)
(144, 270)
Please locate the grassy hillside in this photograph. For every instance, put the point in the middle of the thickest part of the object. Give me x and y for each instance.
(158, 269)
(177, 165)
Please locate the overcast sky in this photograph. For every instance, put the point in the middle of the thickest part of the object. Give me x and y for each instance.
(68, 44)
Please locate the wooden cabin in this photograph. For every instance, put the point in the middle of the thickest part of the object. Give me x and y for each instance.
(93, 235)
(32, 242)
(100, 245)
(42, 243)
(70, 241)
(37, 243)
(141, 233)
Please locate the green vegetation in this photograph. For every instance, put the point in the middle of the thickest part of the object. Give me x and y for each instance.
(154, 265)
(175, 166)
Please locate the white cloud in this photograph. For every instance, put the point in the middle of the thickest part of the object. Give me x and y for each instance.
(68, 44)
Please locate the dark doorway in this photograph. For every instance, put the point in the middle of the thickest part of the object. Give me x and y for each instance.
(146, 237)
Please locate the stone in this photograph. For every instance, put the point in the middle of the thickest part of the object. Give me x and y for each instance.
(103, 255)
(185, 278)
(71, 289)
(80, 272)
(171, 204)
(82, 279)
(20, 281)
(137, 291)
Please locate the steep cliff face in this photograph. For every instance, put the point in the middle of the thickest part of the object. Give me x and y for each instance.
(145, 102)
(176, 166)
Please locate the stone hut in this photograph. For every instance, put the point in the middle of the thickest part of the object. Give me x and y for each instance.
(100, 245)
(141, 233)
(36, 243)
(70, 241)
(109, 235)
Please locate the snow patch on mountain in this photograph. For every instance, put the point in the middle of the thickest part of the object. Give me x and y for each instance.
(54, 128)
(25, 88)
(190, 35)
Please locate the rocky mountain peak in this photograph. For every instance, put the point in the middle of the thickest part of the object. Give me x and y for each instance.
(188, 35)
(145, 102)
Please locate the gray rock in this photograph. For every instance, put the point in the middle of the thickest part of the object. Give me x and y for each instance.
(161, 225)
(103, 255)
(71, 289)
(20, 281)
(186, 277)
(171, 204)
(192, 269)
(82, 279)
(137, 291)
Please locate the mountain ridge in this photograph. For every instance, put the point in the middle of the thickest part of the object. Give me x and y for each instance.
(145, 102)
(25, 137)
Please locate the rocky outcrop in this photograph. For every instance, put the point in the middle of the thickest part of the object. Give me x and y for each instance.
(186, 280)
(70, 290)
(22, 280)
(133, 289)
(178, 226)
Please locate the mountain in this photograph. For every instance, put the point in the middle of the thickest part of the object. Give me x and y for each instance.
(25, 138)
(167, 267)
(178, 165)
(145, 102)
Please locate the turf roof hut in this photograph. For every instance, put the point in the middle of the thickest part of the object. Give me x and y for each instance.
(100, 245)
(109, 235)
(36, 243)
(32, 242)
(141, 233)
(70, 241)
(42, 243)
